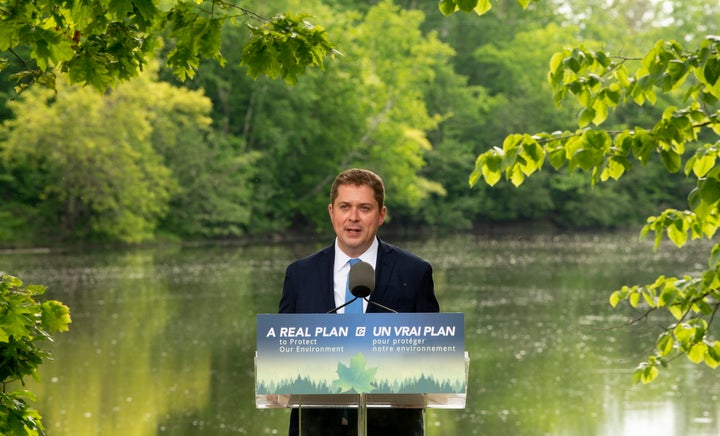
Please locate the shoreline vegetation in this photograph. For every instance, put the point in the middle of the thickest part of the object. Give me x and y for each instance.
(389, 233)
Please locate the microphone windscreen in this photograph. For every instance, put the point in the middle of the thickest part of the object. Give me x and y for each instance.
(361, 279)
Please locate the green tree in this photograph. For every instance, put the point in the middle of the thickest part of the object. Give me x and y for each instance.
(89, 169)
(25, 322)
(103, 43)
(216, 190)
(367, 108)
(683, 139)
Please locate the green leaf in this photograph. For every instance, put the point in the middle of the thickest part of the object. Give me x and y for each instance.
(15, 320)
(703, 165)
(645, 374)
(615, 169)
(685, 333)
(676, 311)
(677, 232)
(10, 34)
(120, 7)
(712, 358)
(466, 5)
(284, 47)
(586, 117)
(634, 299)
(516, 175)
(474, 177)
(533, 151)
(711, 72)
(601, 112)
(586, 158)
(557, 158)
(491, 169)
(709, 190)
(483, 7)
(355, 377)
(665, 344)
(649, 300)
(668, 296)
(696, 354)
(671, 160)
(55, 316)
(447, 7)
(714, 259)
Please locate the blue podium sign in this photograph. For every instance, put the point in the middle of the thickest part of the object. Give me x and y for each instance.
(374, 353)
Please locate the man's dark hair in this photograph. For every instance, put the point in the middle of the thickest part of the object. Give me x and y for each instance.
(359, 177)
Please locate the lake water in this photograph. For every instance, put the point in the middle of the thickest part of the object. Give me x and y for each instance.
(162, 339)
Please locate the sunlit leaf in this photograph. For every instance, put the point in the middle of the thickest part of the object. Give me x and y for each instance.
(649, 298)
(696, 354)
(601, 112)
(55, 316)
(709, 190)
(712, 358)
(668, 296)
(614, 169)
(676, 311)
(516, 175)
(447, 7)
(677, 232)
(645, 374)
(634, 299)
(665, 344)
(703, 165)
(483, 7)
(491, 168)
(714, 259)
(684, 333)
(474, 177)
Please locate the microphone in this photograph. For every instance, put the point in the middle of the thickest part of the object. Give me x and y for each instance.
(361, 279)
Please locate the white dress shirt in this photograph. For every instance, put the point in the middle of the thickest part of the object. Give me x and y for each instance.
(341, 269)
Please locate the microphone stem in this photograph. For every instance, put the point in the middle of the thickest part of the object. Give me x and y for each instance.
(380, 305)
(340, 307)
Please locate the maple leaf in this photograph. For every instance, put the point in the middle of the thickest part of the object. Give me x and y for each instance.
(356, 377)
(55, 316)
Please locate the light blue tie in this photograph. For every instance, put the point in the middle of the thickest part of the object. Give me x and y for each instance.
(355, 306)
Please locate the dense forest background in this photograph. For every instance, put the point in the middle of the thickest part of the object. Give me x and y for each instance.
(413, 95)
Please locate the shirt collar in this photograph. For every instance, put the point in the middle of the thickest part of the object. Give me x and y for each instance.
(369, 256)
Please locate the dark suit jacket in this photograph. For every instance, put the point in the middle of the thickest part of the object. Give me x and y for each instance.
(404, 283)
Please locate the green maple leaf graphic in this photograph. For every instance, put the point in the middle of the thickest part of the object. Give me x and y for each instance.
(355, 377)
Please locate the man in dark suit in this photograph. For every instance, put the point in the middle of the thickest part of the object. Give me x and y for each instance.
(316, 284)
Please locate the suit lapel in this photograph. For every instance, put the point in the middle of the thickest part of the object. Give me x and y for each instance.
(325, 270)
(383, 270)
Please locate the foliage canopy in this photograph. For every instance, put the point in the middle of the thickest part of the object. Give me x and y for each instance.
(25, 322)
(101, 43)
(683, 138)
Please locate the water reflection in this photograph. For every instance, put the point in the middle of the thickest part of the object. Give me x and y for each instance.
(162, 340)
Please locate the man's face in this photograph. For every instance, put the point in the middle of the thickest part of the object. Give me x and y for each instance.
(355, 216)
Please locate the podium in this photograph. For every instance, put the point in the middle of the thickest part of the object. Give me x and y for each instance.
(361, 361)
